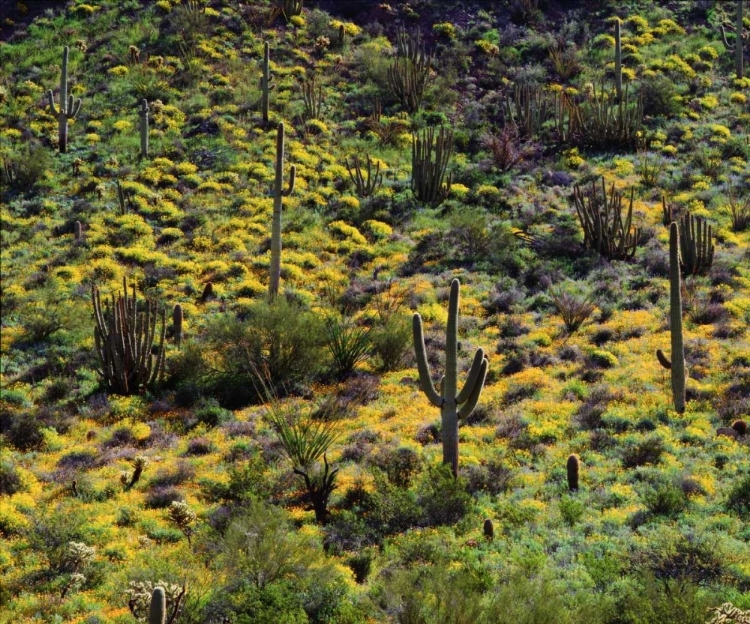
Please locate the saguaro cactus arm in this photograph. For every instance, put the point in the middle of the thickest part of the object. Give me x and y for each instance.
(422, 366)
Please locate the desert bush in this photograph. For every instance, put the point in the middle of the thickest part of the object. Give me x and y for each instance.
(646, 451)
(738, 499)
(442, 498)
(10, 480)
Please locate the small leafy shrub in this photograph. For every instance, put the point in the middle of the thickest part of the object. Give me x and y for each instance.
(162, 497)
(400, 465)
(665, 498)
(24, 432)
(571, 510)
(10, 480)
(647, 451)
(213, 415)
(391, 342)
(442, 498)
(738, 500)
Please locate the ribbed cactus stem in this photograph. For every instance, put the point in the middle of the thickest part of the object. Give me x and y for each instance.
(278, 194)
(177, 323)
(143, 113)
(573, 467)
(675, 321)
(157, 613)
(618, 61)
(69, 106)
(265, 81)
(78, 230)
(453, 406)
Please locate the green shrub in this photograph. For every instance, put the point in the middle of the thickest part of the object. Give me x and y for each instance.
(648, 451)
(10, 480)
(665, 499)
(738, 500)
(442, 498)
(390, 342)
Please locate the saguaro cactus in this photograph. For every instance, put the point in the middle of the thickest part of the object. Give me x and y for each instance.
(738, 41)
(265, 81)
(69, 106)
(157, 613)
(618, 61)
(677, 364)
(574, 467)
(453, 405)
(278, 194)
(489, 530)
(143, 114)
(177, 324)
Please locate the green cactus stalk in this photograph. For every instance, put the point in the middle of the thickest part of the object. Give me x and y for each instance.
(124, 337)
(278, 195)
(618, 62)
(738, 47)
(157, 613)
(366, 185)
(208, 292)
(143, 113)
(78, 230)
(265, 82)
(430, 156)
(574, 468)
(122, 202)
(676, 365)
(69, 106)
(177, 324)
(489, 530)
(453, 405)
(342, 35)
(696, 245)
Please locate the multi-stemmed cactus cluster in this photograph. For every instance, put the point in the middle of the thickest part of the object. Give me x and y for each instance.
(69, 106)
(278, 195)
(430, 156)
(125, 342)
(677, 362)
(453, 404)
(696, 245)
(410, 72)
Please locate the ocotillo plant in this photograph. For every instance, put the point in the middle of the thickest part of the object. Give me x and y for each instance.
(677, 364)
(143, 114)
(453, 405)
(265, 82)
(696, 247)
(177, 324)
(278, 194)
(618, 61)
(124, 338)
(69, 106)
(574, 467)
(430, 156)
(738, 47)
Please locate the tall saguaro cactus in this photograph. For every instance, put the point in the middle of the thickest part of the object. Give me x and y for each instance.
(265, 81)
(738, 41)
(453, 405)
(278, 194)
(143, 114)
(618, 61)
(677, 364)
(69, 106)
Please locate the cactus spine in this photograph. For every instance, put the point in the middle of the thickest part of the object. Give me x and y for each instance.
(278, 194)
(453, 405)
(157, 613)
(574, 468)
(143, 113)
(265, 81)
(177, 324)
(69, 106)
(677, 364)
(618, 61)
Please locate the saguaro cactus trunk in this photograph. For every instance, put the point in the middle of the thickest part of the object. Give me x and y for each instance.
(69, 106)
(143, 113)
(618, 61)
(278, 194)
(453, 405)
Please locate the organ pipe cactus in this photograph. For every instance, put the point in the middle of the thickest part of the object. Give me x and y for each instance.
(676, 365)
(618, 61)
(430, 156)
(69, 106)
(366, 185)
(265, 82)
(143, 114)
(410, 72)
(124, 338)
(528, 109)
(696, 247)
(278, 194)
(738, 47)
(453, 405)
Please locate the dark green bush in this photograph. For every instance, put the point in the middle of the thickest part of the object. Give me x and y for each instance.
(442, 498)
(648, 451)
(738, 500)
(391, 342)
(10, 480)
(659, 97)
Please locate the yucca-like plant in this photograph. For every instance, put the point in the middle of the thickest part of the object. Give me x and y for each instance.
(349, 344)
(573, 309)
(305, 441)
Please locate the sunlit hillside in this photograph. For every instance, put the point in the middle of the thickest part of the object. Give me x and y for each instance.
(357, 312)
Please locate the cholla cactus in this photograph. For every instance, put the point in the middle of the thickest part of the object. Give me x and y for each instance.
(140, 596)
(80, 555)
(139, 463)
(183, 517)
